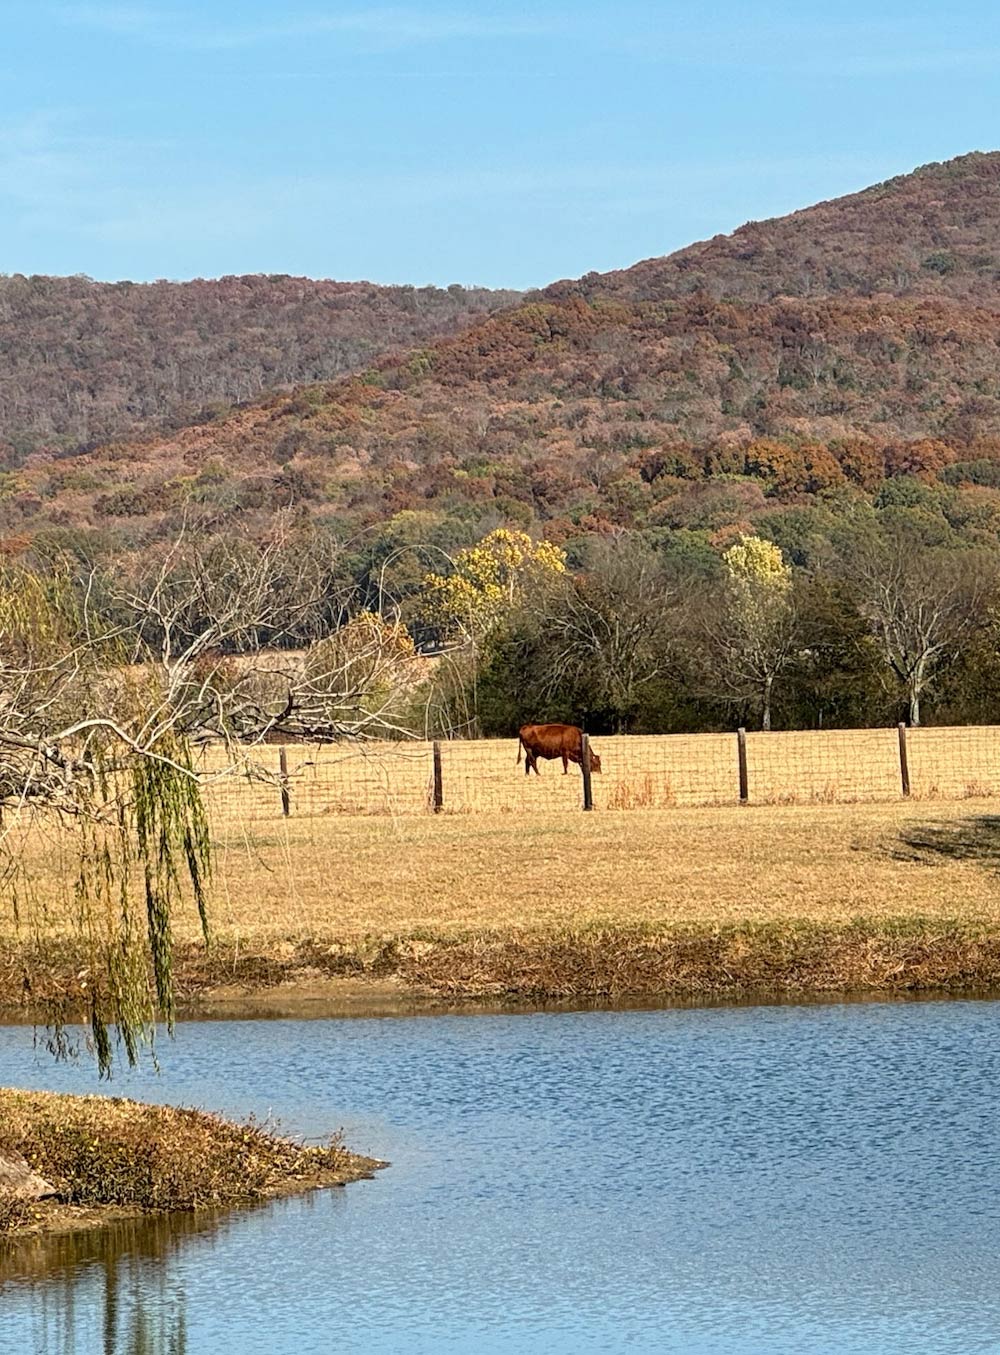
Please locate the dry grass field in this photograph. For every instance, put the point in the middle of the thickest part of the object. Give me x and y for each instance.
(353, 877)
(639, 772)
(514, 866)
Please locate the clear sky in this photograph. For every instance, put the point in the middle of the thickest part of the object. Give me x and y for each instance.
(498, 143)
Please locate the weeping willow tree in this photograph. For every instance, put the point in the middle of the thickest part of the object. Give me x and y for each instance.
(110, 687)
(93, 775)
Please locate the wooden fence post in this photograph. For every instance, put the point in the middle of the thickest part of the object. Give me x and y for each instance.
(588, 795)
(904, 761)
(741, 751)
(286, 799)
(438, 780)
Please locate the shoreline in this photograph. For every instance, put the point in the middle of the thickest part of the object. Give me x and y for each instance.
(507, 969)
(499, 971)
(71, 1163)
(52, 1218)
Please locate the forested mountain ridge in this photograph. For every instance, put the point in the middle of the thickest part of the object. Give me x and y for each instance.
(934, 232)
(610, 404)
(85, 362)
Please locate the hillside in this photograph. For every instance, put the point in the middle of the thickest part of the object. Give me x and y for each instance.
(932, 233)
(700, 391)
(84, 362)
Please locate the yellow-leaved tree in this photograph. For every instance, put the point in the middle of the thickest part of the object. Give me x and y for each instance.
(753, 637)
(756, 563)
(489, 581)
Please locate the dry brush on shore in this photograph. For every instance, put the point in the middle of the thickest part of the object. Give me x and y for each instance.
(100, 1153)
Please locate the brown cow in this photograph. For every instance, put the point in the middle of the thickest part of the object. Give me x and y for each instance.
(552, 741)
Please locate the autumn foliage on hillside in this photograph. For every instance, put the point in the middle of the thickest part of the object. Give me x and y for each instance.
(84, 361)
(628, 402)
(580, 416)
(932, 233)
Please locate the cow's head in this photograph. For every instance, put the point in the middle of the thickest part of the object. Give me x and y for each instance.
(595, 761)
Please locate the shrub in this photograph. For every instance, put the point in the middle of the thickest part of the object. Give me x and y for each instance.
(14, 1212)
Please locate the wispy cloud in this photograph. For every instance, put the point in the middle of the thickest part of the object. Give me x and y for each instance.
(41, 161)
(53, 170)
(120, 20)
(834, 48)
(929, 61)
(382, 27)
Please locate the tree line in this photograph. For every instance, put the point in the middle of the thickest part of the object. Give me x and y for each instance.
(886, 623)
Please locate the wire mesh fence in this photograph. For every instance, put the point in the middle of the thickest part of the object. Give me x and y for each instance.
(638, 772)
(955, 763)
(832, 766)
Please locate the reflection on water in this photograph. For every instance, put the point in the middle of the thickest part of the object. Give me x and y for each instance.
(779, 1180)
(112, 1284)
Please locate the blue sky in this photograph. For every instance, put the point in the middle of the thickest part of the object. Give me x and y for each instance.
(502, 144)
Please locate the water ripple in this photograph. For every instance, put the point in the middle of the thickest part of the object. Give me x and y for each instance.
(752, 1180)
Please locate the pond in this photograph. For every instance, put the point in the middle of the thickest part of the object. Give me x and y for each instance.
(763, 1179)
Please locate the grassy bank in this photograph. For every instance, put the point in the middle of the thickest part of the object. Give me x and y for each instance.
(106, 1157)
(795, 957)
(684, 902)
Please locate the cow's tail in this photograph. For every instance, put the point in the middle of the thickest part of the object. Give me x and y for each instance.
(520, 746)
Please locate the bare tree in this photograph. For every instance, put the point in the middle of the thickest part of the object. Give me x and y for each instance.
(612, 627)
(921, 603)
(107, 690)
(741, 659)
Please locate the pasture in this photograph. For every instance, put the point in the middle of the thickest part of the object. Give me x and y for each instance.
(639, 772)
(514, 889)
(355, 877)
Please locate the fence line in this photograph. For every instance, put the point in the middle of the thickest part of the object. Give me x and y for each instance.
(639, 772)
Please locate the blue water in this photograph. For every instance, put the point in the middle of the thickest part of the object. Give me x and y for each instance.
(774, 1179)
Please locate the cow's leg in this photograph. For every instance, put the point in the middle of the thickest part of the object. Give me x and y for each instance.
(565, 759)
